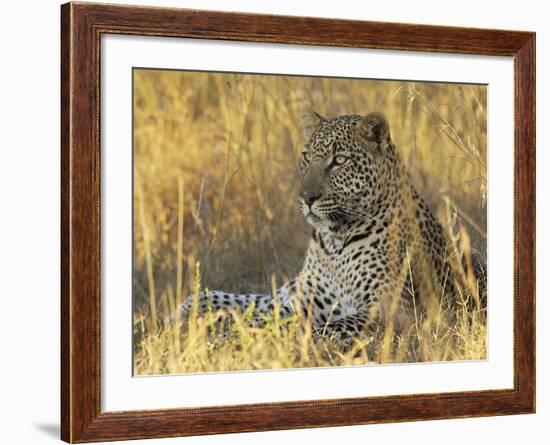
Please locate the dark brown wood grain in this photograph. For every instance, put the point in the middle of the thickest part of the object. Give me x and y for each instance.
(81, 28)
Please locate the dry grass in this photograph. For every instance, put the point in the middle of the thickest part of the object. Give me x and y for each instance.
(216, 178)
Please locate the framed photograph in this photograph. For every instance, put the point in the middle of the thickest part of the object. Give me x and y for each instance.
(275, 222)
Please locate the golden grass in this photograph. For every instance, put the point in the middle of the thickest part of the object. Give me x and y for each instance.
(215, 184)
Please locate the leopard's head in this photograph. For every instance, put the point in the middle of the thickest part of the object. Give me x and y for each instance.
(346, 165)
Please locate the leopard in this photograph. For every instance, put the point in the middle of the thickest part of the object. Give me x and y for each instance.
(376, 250)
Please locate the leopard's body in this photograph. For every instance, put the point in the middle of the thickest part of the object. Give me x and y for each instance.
(376, 247)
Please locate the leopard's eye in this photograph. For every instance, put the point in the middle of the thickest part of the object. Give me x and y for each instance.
(340, 160)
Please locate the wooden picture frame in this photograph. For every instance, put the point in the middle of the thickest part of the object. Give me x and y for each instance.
(82, 26)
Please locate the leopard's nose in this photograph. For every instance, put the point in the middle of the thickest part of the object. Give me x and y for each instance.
(309, 197)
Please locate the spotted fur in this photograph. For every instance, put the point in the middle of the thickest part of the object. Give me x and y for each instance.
(376, 249)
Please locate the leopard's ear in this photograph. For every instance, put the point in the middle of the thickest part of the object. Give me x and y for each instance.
(374, 127)
(310, 121)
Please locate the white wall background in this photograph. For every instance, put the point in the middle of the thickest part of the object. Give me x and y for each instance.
(29, 218)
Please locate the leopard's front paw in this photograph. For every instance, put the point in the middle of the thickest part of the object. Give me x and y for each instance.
(343, 339)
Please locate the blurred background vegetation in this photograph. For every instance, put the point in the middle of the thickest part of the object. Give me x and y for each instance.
(216, 179)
